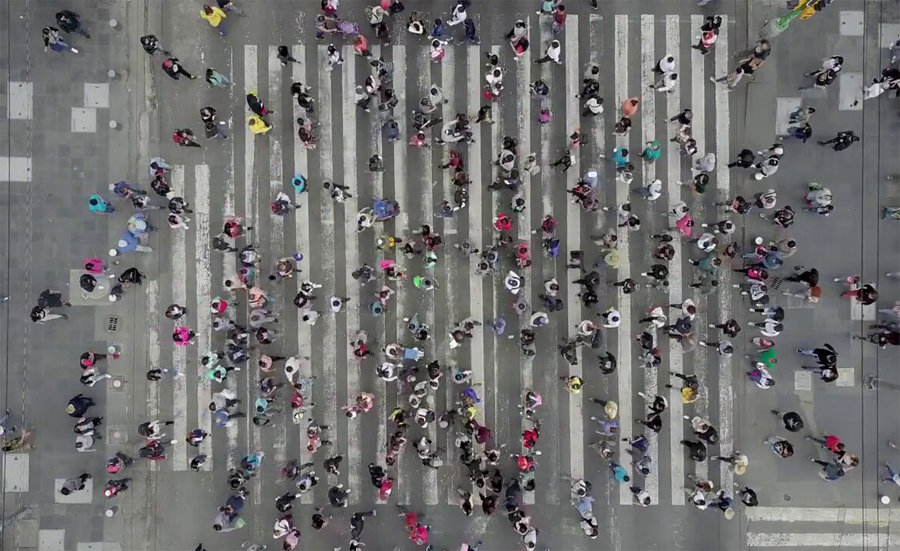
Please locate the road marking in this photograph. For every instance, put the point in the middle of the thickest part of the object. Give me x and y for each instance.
(326, 211)
(401, 226)
(204, 282)
(624, 331)
(301, 222)
(351, 309)
(830, 515)
(844, 541)
(598, 133)
(523, 122)
(427, 191)
(179, 355)
(552, 386)
(251, 84)
(648, 132)
(378, 191)
(676, 277)
(447, 268)
(229, 262)
(573, 243)
(153, 353)
(276, 184)
(723, 184)
(700, 356)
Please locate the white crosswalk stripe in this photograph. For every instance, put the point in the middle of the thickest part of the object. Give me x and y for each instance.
(314, 231)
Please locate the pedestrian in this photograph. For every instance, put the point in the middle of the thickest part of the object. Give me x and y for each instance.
(553, 53)
(70, 22)
(842, 141)
(831, 471)
(79, 405)
(792, 420)
(54, 41)
(229, 7)
(215, 17)
(172, 67)
(185, 138)
(214, 78)
(151, 45)
(99, 205)
(75, 484)
(709, 34)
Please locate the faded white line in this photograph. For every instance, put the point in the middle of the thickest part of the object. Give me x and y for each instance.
(533, 200)
(844, 541)
(723, 183)
(153, 352)
(624, 301)
(700, 356)
(426, 184)
(251, 79)
(676, 277)
(204, 327)
(351, 310)
(573, 243)
(328, 379)
(179, 356)
(401, 226)
(552, 387)
(301, 223)
(276, 184)
(648, 132)
(229, 263)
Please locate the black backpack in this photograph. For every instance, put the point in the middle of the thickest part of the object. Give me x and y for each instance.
(87, 282)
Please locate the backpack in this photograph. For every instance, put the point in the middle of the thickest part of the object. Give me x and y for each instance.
(87, 282)
(168, 64)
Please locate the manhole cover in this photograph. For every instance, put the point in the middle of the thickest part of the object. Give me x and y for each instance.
(112, 324)
(117, 435)
(117, 384)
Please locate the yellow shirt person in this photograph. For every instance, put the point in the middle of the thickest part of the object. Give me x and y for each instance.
(257, 125)
(213, 15)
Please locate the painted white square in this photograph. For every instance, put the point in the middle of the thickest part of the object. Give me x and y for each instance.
(802, 380)
(858, 312)
(15, 472)
(15, 169)
(96, 95)
(869, 311)
(846, 377)
(51, 540)
(84, 119)
(82, 496)
(783, 109)
(850, 97)
(21, 96)
(852, 23)
(99, 546)
(890, 33)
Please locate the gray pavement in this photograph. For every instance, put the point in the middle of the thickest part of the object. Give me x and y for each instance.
(50, 232)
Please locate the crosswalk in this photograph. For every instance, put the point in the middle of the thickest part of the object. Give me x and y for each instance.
(627, 48)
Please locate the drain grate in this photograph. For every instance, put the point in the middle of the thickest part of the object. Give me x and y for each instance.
(112, 324)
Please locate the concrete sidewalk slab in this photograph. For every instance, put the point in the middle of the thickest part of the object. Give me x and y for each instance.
(21, 101)
(82, 496)
(15, 472)
(51, 540)
(15, 169)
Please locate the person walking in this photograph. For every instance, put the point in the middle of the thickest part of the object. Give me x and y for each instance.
(215, 17)
(174, 69)
(553, 53)
(842, 141)
(70, 22)
(54, 41)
